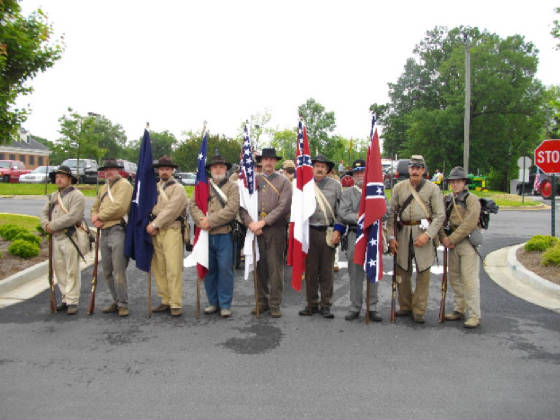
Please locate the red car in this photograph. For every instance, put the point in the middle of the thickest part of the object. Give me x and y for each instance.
(10, 170)
(128, 172)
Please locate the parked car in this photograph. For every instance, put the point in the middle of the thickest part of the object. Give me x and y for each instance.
(186, 178)
(127, 172)
(401, 172)
(88, 170)
(39, 175)
(11, 170)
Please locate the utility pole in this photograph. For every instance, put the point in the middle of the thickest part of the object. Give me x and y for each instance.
(467, 104)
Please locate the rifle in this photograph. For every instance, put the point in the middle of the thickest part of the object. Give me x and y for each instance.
(51, 280)
(443, 287)
(91, 307)
(394, 283)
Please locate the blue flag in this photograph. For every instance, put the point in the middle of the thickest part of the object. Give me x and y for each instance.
(138, 243)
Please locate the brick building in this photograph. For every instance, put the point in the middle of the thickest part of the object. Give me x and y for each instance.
(26, 149)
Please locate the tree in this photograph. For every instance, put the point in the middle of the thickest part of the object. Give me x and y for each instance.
(25, 49)
(555, 32)
(285, 143)
(163, 143)
(185, 155)
(319, 124)
(90, 136)
(257, 127)
(425, 114)
(552, 113)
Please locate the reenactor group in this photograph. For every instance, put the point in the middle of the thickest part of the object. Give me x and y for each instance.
(417, 220)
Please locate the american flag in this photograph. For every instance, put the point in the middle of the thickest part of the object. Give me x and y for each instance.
(369, 234)
(199, 255)
(303, 207)
(248, 199)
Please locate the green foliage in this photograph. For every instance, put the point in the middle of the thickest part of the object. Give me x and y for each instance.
(319, 124)
(29, 237)
(40, 230)
(26, 48)
(555, 32)
(257, 127)
(23, 248)
(93, 136)
(541, 243)
(162, 143)
(10, 231)
(285, 143)
(186, 153)
(426, 110)
(1, 254)
(551, 256)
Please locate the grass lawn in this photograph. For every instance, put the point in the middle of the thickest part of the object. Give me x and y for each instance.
(28, 222)
(39, 189)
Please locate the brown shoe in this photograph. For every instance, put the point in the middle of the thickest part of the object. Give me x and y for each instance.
(275, 313)
(123, 311)
(176, 312)
(336, 268)
(262, 309)
(161, 308)
(454, 316)
(419, 319)
(471, 323)
(110, 308)
(403, 312)
(72, 309)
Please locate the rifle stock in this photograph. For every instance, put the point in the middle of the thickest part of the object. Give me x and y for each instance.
(51, 279)
(91, 307)
(394, 282)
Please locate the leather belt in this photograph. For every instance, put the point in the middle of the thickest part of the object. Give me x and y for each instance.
(319, 228)
(413, 222)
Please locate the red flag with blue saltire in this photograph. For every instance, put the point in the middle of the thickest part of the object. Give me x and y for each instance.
(303, 207)
(199, 255)
(369, 234)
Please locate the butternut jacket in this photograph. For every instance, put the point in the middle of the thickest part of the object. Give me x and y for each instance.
(463, 218)
(431, 196)
(172, 203)
(219, 216)
(111, 212)
(74, 202)
(276, 205)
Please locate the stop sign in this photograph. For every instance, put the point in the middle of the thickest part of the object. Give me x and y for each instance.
(547, 156)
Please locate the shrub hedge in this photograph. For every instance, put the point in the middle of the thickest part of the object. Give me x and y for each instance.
(540, 243)
(23, 248)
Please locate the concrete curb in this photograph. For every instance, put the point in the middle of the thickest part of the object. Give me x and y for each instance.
(18, 279)
(36, 197)
(506, 271)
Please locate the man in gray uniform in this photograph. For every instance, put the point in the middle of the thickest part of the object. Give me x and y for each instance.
(323, 227)
(275, 199)
(419, 206)
(348, 214)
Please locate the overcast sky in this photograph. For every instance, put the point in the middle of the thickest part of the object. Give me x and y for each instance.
(178, 63)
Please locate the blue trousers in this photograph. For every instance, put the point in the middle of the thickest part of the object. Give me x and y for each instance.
(219, 280)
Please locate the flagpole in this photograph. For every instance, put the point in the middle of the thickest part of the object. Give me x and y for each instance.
(255, 278)
(150, 294)
(367, 300)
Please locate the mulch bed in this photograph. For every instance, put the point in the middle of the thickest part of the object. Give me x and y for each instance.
(531, 260)
(10, 264)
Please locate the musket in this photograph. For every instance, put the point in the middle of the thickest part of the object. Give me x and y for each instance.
(51, 279)
(197, 310)
(443, 287)
(255, 278)
(394, 282)
(91, 307)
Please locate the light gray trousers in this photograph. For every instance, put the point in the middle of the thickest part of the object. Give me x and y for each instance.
(114, 263)
(357, 275)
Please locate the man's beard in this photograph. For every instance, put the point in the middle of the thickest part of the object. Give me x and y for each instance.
(165, 177)
(219, 178)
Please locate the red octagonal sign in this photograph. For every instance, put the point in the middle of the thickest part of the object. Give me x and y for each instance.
(547, 156)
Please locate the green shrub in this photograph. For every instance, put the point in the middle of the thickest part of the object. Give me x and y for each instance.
(10, 231)
(40, 230)
(540, 243)
(23, 248)
(29, 237)
(551, 256)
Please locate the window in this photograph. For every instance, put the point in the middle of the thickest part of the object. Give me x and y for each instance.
(31, 160)
(12, 156)
(40, 160)
(2, 157)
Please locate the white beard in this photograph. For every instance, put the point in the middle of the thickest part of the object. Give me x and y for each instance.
(218, 178)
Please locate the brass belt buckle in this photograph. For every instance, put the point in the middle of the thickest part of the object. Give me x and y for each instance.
(262, 214)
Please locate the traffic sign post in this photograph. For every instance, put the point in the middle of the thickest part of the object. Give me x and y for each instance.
(523, 162)
(547, 158)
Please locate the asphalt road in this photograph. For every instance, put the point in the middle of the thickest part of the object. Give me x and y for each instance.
(100, 366)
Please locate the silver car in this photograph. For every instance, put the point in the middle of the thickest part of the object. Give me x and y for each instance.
(39, 175)
(186, 178)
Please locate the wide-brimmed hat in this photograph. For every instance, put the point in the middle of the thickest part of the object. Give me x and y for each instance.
(217, 160)
(417, 160)
(111, 163)
(65, 170)
(165, 161)
(359, 165)
(323, 159)
(457, 173)
(288, 163)
(268, 153)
